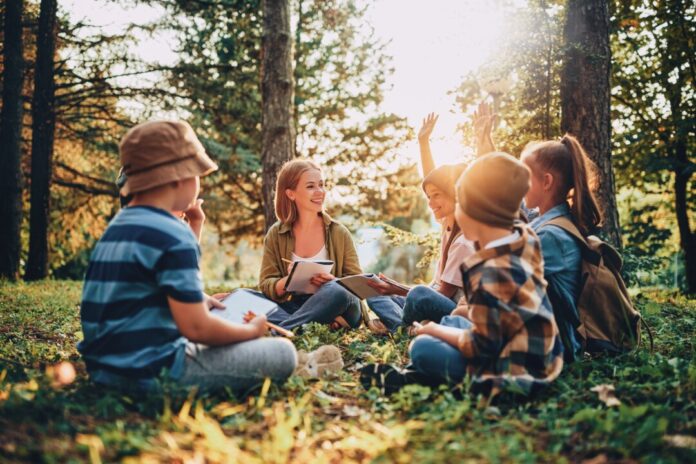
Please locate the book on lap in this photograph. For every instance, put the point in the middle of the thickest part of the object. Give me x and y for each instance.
(302, 272)
(241, 301)
(358, 284)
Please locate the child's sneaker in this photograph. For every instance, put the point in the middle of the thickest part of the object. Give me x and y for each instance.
(390, 379)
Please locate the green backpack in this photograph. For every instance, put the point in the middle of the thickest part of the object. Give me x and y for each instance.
(608, 320)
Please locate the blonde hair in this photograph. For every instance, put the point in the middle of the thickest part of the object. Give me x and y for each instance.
(576, 174)
(288, 178)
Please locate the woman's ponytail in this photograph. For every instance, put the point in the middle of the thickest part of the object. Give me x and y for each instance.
(584, 207)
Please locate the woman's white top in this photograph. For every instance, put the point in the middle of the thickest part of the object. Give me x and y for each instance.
(322, 255)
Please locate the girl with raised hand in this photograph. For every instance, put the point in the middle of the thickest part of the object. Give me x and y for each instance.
(560, 188)
(305, 232)
(396, 307)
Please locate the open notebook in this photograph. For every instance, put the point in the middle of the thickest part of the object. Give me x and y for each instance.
(357, 284)
(241, 301)
(302, 271)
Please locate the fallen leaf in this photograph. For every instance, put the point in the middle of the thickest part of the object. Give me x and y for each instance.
(606, 394)
(681, 441)
(599, 459)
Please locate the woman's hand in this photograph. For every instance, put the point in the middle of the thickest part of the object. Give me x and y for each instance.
(321, 279)
(427, 127)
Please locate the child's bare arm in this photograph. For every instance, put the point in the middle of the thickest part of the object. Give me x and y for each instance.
(447, 289)
(449, 335)
(424, 143)
(197, 324)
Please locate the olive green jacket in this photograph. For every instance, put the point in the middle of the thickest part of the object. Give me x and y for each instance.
(279, 244)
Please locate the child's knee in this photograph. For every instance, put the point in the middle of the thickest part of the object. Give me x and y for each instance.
(419, 293)
(285, 355)
(421, 349)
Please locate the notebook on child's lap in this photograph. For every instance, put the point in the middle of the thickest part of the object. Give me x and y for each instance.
(240, 302)
(301, 273)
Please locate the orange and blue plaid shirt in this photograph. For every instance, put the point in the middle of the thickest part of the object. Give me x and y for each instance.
(514, 340)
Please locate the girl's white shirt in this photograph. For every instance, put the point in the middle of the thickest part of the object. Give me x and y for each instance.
(459, 250)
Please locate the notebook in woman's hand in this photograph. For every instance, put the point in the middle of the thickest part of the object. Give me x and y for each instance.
(302, 272)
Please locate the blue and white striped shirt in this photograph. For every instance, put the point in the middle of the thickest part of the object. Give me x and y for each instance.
(144, 256)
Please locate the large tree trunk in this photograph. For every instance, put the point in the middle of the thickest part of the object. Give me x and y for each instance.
(43, 126)
(10, 141)
(585, 96)
(278, 131)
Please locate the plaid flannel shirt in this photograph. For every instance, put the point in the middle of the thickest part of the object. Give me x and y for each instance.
(514, 340)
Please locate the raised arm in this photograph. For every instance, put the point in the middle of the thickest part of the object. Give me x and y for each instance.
(483, 121)
(424, 143)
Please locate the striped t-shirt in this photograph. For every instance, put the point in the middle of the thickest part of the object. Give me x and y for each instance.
(144, 256)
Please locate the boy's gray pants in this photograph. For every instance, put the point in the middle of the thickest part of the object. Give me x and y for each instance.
(240, 366)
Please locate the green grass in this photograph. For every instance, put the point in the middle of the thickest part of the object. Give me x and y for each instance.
(336, 420)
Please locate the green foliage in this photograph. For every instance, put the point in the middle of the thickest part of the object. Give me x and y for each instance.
(335, 419)
(529, 54)
(340, 74)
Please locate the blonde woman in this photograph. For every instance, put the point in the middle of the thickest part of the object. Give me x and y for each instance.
(304, 231)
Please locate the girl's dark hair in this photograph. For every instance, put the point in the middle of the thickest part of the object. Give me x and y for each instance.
(576, 174)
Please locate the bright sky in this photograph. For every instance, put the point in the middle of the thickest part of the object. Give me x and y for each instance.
(433, 44)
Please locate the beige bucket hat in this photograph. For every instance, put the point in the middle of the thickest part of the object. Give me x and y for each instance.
(158, 152)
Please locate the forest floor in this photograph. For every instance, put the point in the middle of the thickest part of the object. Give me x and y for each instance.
(336, 420)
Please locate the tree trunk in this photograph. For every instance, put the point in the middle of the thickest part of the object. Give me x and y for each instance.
(10, 141)
(585, 95)
(686, 235)
(278, 131)
(43, 126)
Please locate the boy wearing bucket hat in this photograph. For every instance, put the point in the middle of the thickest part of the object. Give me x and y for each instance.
(503, 333)
(144, 315)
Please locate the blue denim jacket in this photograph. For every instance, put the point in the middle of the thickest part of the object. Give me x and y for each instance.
(562, 259)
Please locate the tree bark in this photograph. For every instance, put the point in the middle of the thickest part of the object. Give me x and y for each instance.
(585, 97)
(43, 127)
(10, 141)
(277, 86)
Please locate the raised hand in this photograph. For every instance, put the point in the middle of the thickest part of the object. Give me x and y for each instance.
(483, 120)
(427, 127)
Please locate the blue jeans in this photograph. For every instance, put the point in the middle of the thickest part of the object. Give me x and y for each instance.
(330, 301)
(389, 309)
(438, 359)
(423, 303)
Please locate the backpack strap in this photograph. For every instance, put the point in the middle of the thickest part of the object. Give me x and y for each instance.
(567, 225)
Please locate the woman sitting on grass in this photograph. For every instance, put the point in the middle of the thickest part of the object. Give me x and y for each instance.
(305, 232)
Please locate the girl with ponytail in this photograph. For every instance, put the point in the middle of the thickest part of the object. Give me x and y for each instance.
(561, 186)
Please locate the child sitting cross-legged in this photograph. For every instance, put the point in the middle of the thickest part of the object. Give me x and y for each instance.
(144, 315)
(502, 333)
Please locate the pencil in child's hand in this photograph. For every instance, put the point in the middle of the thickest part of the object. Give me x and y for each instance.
(280, 330)
(287, 260)
(284, 332)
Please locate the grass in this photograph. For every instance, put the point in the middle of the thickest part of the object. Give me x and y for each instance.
(336, 420)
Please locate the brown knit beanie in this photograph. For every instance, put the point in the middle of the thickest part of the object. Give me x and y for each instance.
(445, 177)
(492, 188)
